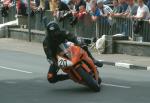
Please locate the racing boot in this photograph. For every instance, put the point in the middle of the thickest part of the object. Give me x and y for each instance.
(96, 62)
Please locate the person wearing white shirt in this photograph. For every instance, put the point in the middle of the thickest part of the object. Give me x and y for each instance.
(142, 12)
(88, 7)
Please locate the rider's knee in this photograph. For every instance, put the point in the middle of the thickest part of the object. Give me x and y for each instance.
(51, 78)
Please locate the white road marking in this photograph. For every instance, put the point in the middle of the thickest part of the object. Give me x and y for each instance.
(118, 86)
(18, 70)
(148, 68)
(119, 64)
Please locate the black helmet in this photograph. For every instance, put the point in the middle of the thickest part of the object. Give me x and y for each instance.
(53, 27)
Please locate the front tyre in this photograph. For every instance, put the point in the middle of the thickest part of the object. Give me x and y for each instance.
(89, 80)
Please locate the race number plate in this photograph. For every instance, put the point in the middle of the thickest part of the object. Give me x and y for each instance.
(63, 63)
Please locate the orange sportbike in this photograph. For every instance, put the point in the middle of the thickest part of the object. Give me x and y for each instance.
(74, 61)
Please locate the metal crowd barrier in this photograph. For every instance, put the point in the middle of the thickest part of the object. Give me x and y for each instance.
(87, 28)
(125, 25)
(10, 17)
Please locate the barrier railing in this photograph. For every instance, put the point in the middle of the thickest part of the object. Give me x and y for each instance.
(125, 26)
(89, 29)
(10, 17)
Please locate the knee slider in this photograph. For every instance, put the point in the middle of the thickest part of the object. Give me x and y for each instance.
(51, 78)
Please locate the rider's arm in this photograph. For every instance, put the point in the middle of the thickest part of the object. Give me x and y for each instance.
(46, 49)
(70, 37)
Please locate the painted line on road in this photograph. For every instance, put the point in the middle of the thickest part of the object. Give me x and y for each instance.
(118, 86)
(18, 70)
(148, 68)
(125, 65)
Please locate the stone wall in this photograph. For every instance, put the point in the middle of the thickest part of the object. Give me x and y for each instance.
(132, 48)
(22, 34)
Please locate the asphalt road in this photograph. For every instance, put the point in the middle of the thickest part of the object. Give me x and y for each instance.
(23, 80)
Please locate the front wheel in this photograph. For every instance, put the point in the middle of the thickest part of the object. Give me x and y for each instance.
(89, 80)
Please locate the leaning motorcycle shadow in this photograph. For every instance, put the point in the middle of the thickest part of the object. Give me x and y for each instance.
(72, 87)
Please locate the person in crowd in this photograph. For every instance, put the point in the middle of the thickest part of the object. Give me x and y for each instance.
(107, 2)
(104, 9)
(119, 12)
(78, 4)
(80, 11)
(88, 8)
(22, 7)
(62, 6)
(142, 12)
(66, 1)
(43, 5)
(121, 8)
(132, 8)
(37, 3)
(115, 6)
(53, 5)
(71, 4)
(148, 4)
(95, 12)
(63, 11)
(6, 5)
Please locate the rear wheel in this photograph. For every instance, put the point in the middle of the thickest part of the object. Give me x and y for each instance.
(89, 80)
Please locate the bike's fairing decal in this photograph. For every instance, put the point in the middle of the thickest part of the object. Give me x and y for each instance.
(62, 62)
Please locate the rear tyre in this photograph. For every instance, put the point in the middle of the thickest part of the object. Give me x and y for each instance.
(89, 80)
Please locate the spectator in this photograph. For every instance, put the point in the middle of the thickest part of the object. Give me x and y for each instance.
(80, 3)
(44, 5)
(88, 8)
(107, 2)
(47, 6)
(22, 7)
(6, 5)
(148, 4)
(65, 1)
(121, 8)
(105, 10)
(71, 4)
(132, 8)
(62, 6)
(37, 3)
(95, 12)
(122, 26)
(53, 5)
(63, 11)
(115, 6)
(142, 12)
(88, 3)
(80, 11)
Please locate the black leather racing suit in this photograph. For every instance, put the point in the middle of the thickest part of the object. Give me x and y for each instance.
(50, 45)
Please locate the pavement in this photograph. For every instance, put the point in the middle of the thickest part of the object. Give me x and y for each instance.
(23, 71)
(126, 61)
(121, 60)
